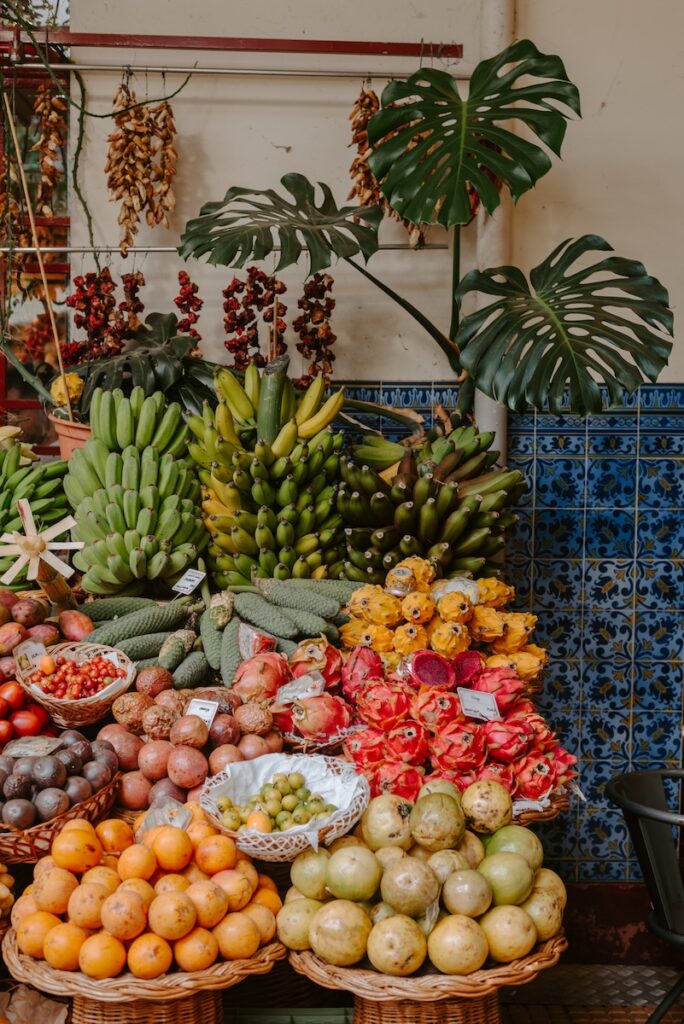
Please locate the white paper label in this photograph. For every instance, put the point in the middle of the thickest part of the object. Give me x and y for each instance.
(204, 709)
(479, 705)
(310, 685)
(28, 655)
(574, 788)
(528, 805)
(112, 656)
(189, 581)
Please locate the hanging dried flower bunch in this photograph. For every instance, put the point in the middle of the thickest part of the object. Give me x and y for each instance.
(10, 212)
(313, 326)
(260, 293)
(141, 163)
(50, 109)
(37, 340)
(188, 302)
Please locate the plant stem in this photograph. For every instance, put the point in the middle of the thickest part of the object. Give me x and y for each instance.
(455, 280)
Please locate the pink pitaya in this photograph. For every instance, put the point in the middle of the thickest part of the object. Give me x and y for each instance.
(384, 704)
(460, 747)
(563, 762)
(317, 656)
(467, 666)
(494, 771)
(259, 678)
(362, 665)
(535, 777)
(427, 668)
(461, 779)
(520, 708)
(506, 741)
(544, 738)
(282, 717)
(321, 718)
(502, 683)
(403, 780)
(435, 709)
(367, 748)
(408, 742)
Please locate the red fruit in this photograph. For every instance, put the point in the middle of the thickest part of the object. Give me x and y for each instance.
(317, 656)
(4, 708)
(435, 709)
(384, 704)
(535, 777)
(467, 666)
(503, 683)
(39, 710)
(403, 780)
(6, 733)
(282, 717)
(26, 723)
(544, 738)
(367, 748)
(321, 718)
(11, 634)
(460, 747)
(506, 741)
(497, 772)
(427, 668)
(75, 625)
(8, 598)
(260, 677)
(362, 665)
(13, 694)
(520, 709)
(408, 742)
(562, 761)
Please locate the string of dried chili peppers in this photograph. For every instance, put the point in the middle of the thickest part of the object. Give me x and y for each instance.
(50, 110)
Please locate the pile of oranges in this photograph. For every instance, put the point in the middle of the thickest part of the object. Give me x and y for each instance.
(102, 903)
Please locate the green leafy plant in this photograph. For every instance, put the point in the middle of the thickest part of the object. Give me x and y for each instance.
(572, 331)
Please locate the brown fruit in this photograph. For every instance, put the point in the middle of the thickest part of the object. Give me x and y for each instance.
(253, 719)
(157, 721)
(224, 729)
(75, 625)
(134, 791)
(11, 634)
(153, 681)
(128, 710)
(189, 731)
(29, 613)
(187, 767)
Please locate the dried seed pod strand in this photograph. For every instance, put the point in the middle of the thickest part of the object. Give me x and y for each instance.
(49, 109)
(129, 163)
(163, 198)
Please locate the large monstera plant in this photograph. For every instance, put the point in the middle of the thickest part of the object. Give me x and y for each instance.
(547, 344)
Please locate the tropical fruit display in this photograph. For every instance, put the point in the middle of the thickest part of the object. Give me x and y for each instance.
(269, 467)
(279, 805)
(442, 499)
(165, 897)
(415, 883)
(135, 499)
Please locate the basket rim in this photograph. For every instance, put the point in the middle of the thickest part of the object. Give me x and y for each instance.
(10, 832)
(126, 987)
(82, 702)
(370, 984)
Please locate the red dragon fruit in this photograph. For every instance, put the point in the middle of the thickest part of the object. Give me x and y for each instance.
(543, 736)
(362, 665)
(427, 668)
(467, 666)
(367, 748)
(494, 771)
(320, 718)
(460, 747)
(259, 678)
(384, 704)
(535, 777)
(563, 762)
(282, 717)
(403, 780)
(317, 656)
(504, 684)
(462, 779)
(506, 741)
(521, 708)
(408, 742)
(435, 709)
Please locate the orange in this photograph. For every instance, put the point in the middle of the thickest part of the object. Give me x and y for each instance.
(173, 848)
(172, 915)
(24, 906)
(149, 837)
(216, 853)
(81, 824)
(263, 918)
(102, 956)
(141, 887)
(62, 946)
(136, 861)
(115, 835)
(124, 915)
(238, 936)
(196, 951)
(149, 956)
(196, 811)
(245, 867)
(103, 876)
(236, 887)
(110, 860)
(32, 931)
(51, 891)
(267, 883)
(268, 898)
(199, 830)
(171, 883)
(47, 665)
(76, 849)
(259, 821)
(193, 873)
(210, 902)
(85, 904)
(44, 864)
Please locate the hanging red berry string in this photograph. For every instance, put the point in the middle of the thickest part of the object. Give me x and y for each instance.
(189, 303)
(132, 305)
(313, 326)
(260, 293)
(106, 326)
(37, 340)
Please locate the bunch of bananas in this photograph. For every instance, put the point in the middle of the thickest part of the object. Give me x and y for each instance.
(38, 482)
(441, 500)
(269, 466)
(135, 500)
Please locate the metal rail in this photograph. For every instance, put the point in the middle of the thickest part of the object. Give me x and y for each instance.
(263, 72)
(21, 249)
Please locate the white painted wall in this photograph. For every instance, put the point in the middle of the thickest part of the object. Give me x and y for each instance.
(619, 176)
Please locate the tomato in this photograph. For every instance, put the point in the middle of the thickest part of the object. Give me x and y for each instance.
(4, 708)
(26, 723)
(43, 715)
(6, 732)
(13, 694)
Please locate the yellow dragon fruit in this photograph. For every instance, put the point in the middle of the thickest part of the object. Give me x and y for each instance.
(375, 605)
(518, 627)
(486, 624)
(537, 651)
(495, 593)
(423, 571)
(401, 581)
(455, 607)
(367, 634)
(418, 607)
(410, 637)
(524, 664)
(450, 639)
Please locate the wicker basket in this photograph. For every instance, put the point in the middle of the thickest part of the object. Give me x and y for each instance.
(560, 802)
(29, 845)
(285, 846)
(72, 713)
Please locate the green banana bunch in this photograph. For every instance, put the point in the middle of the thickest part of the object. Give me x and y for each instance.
(120, 422)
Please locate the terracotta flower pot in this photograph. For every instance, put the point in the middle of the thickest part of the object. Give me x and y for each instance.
(71, 435)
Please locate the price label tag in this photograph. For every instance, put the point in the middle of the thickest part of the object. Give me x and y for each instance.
(204, 709)
(28, 655)
(189, 581)
(310, 685)
(479, 705)
(529, 805)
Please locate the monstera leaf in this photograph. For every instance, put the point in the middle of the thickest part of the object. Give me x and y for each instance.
(249, 223)
(429, 143)
(574, 328)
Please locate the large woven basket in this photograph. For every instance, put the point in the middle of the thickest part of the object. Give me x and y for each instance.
(72, 713)
(26, 846)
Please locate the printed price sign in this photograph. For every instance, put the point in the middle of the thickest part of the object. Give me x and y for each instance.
(310, 685)
(28, 655)
(479, 705)
(189, 581)
(204, 709)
